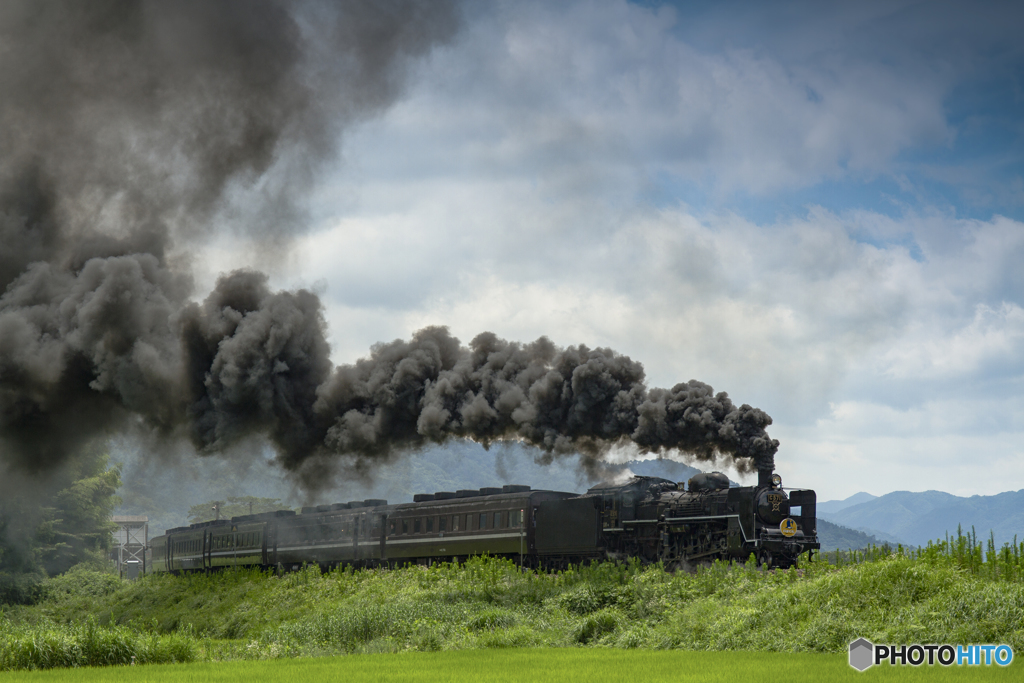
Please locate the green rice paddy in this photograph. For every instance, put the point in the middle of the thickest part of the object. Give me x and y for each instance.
(565, 665)
(562, 665)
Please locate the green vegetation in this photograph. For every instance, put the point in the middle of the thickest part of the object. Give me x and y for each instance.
(54, 646)
(494, 666)
(964, 551)
(936, 594)
(46, 529)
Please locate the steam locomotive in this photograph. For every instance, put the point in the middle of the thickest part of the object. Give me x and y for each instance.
(649, 518)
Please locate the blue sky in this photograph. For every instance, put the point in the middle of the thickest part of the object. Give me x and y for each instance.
(814, 207)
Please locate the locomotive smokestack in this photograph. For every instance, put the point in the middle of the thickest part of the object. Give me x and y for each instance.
(764, 478)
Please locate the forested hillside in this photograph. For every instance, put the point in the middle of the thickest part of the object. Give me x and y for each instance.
(836, 537)
(916, 518)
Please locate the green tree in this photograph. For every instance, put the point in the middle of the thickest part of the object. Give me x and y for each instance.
(232, 507)
(79, 527)
(48, 527)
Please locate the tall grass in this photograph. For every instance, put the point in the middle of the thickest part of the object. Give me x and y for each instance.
(964, 550)
(941, 593)
(60, 645)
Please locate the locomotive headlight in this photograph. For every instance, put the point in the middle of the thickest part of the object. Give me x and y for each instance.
(777, 481)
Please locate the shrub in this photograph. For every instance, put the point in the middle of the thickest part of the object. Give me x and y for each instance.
(78, 582)
(518, 636)
(595, 625)
(491, 619)
(582, 600)
(633, 637)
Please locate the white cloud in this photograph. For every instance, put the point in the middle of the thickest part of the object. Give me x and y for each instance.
(967, 447)
(791, 317)
(507, 193)
(577, 92)
(993, 340)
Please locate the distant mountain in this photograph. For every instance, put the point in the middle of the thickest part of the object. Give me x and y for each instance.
(836, 537)
(916, 518)
(833, 506)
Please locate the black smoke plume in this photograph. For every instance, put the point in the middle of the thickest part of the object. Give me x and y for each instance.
(572, 400)
(128, 130)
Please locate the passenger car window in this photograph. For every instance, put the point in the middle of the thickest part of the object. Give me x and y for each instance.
(497, 521)
(441, 522)
(405, 526)
(483, 521)
(430, 525)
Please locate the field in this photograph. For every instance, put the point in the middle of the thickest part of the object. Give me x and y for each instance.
(489, 608)
(562, 665)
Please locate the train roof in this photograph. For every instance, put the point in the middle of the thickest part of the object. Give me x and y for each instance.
(260, 516)
(635, 481)
(481, 497)
(489, 493)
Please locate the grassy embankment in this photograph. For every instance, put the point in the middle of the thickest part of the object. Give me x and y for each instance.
(939, 594)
